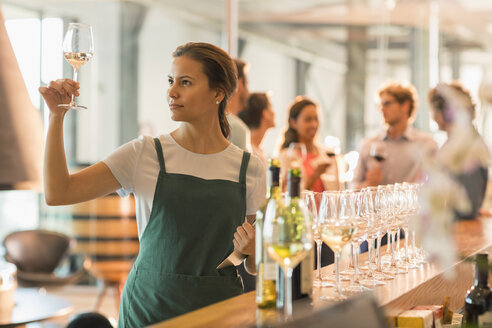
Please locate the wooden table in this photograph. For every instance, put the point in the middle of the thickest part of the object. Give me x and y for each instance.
(426, 285)
(31, 305)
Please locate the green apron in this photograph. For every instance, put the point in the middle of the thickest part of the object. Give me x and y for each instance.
(190, 231)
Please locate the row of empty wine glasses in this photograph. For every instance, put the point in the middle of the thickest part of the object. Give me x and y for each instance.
(352, 217)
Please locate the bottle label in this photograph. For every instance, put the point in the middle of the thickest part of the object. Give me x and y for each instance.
(485, 320)
(307, 271)
(270, 268)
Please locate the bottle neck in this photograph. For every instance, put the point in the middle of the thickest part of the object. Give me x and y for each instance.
(481, 272)
(294, 187)
(274, 190)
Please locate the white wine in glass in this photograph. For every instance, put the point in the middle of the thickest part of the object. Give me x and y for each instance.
(287, 235)
(78, 48)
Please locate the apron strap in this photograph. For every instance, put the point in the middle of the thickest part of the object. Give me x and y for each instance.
(160, 155)
(244, 167)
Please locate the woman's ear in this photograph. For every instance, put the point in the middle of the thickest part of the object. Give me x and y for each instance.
(293, 123)
(219, 95)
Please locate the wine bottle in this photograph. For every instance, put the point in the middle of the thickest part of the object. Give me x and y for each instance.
(302, 277)
(266, 268)
(478, 312)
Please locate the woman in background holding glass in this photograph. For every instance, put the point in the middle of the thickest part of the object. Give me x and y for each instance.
(302, 129)
(193, 190)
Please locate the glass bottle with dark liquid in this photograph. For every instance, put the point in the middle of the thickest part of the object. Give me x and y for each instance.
(478, 307)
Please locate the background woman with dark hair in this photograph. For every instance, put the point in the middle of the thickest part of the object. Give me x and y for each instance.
(259, 117)
(193, 190)
(302, 129)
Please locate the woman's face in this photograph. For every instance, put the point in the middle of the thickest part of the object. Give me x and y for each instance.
(306, 123)
(189, 95)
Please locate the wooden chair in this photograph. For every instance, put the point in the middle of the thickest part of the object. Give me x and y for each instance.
(37, 253)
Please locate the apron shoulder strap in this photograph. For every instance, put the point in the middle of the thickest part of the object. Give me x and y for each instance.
(244, 167)
(160, 155)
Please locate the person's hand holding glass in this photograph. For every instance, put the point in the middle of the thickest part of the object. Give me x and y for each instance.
(78, 48)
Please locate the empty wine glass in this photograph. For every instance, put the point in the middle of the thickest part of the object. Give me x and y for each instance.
(311, 205)
(363, 223)
(382, 209)
(78, 48)
(375, 226)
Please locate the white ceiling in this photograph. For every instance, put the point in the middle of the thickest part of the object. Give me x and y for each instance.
(313, 24)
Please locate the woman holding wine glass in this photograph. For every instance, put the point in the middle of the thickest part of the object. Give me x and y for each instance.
(193, 190)
(302, 129)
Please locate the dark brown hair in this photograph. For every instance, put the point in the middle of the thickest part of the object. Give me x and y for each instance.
(445, 96)
(296, 108)
(241, 67)
(251, 115)
(220, 70)
(402, 93)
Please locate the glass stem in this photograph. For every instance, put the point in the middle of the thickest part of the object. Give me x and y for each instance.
(388, 249)
(288, 292)
(319, 244)
(337, 259)
(75, 75)
(370, 245)
(356, 266)
(379, 252)
(405, 229)
(352, 253)
(393, 257)
(398, 243)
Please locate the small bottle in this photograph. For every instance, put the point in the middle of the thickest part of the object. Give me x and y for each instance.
(302, 277)
(266, 268)
(478, 312)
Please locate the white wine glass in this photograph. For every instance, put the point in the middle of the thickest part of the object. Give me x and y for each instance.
(78, 48)
(338, 230)
(288, 238)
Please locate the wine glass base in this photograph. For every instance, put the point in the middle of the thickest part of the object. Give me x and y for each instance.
(333, 296)
(323, 283)
(372, 282)
(68, 106)
(356, 288)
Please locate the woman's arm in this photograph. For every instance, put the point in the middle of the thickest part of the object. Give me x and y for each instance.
(60, 187)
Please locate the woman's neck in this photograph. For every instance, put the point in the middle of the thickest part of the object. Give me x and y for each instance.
(310, 146)
(200, 139)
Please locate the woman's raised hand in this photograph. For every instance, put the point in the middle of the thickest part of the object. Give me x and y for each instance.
(59, 92)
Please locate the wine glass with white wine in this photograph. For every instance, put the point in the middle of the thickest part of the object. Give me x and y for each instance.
(78, 48)
(287, 235)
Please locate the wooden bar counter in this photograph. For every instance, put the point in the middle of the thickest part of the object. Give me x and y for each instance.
(428, 284)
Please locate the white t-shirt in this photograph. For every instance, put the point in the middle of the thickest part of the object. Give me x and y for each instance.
(136, 167)
(240, 134)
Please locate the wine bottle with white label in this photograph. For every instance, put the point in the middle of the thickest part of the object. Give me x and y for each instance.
(266, 268)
